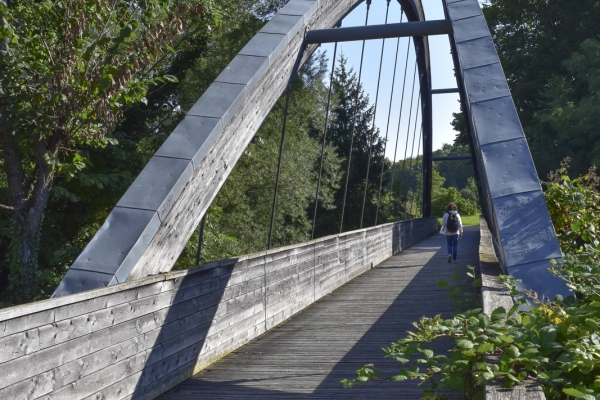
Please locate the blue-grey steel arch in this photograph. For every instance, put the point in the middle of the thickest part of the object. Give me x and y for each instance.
(510, 190)
(147, 230)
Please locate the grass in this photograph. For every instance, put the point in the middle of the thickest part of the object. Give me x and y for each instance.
(467, 220)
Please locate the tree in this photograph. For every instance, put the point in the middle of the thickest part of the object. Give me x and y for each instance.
(238, 220)
(68, 68)
(456, 173)
(540, 47)
(570, 118)
(343, 122)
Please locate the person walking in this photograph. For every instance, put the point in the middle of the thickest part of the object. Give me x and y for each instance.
(453, 229)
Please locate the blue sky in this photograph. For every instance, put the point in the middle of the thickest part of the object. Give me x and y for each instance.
(442, 75)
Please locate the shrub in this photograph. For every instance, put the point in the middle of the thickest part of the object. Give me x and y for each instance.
(574, 207)
(555, 343)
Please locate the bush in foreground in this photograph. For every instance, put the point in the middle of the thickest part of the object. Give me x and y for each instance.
(556, 343)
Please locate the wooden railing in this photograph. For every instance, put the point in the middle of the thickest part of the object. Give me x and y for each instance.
(141, 338)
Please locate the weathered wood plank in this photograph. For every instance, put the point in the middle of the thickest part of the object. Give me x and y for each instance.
(222, 306)
(309, 353)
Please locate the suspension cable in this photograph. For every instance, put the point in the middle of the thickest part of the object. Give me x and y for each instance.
(372, 138)
(362, 54)
(400, 115)
(412, 150)
(408, 129)
(285, 115)
(312, 235)
(419, 187)
(387, 129)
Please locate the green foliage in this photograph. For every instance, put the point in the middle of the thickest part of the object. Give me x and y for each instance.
(349, 98)
(549, 52)
(82, 62)
(574, 206)
(456, 173)
(239, 217)
(145, 49)
(554, 343)
(468, 220)
(441, 196)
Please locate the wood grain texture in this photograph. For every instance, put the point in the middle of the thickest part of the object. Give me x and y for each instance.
(308, 354)
(133, 341)
(495, 294)
(179, 224)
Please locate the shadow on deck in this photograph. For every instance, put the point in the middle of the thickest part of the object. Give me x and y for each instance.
(308, 356)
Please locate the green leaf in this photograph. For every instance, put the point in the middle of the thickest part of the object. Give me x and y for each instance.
(527, 320)
(513, 352)
(576, 226)
(485, 347)
(170, 78)
(427, 353)
(484, 321)
(464, 344)
(507, 339)
(548, 334)
(572, 392)
(591, 323)
(586, 397)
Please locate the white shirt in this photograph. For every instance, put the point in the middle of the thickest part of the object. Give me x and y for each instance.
(445, 220)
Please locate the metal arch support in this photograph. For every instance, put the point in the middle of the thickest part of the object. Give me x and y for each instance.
(414, 12)
(387, 31)
(510, 191)
(147, 230)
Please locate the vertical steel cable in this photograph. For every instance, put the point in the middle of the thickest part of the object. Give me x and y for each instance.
(285, 114)
(200, 240)
(312, 235)
(362, 54)
(408, 129)
(400, 115)
(419, 187)
(387, 129)
(372, 138)
(412, 150)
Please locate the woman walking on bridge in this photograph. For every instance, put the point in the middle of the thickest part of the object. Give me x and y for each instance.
(453, 229)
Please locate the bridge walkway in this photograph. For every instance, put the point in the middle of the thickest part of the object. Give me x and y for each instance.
(308, 356)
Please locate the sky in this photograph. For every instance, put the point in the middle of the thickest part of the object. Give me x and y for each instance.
(442, 76)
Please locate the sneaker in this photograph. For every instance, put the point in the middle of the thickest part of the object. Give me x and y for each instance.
(449, 258)
(454, 262)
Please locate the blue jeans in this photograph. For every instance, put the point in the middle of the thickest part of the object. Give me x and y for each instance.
(452, 241)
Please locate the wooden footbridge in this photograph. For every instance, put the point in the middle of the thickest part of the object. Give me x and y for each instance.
(120, 327)
(308, 355)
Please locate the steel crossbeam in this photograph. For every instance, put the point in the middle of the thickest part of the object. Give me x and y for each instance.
(371, 32)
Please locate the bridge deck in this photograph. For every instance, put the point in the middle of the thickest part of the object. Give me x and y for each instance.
(307, 356)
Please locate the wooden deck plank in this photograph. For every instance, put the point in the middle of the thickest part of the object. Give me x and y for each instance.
(308, 355)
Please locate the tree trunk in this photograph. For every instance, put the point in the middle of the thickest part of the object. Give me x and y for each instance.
(28, 203)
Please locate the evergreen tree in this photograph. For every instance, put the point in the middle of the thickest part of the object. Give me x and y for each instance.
(238, 220)
(350, 115)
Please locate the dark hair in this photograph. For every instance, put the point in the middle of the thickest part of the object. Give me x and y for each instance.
(451, 206)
